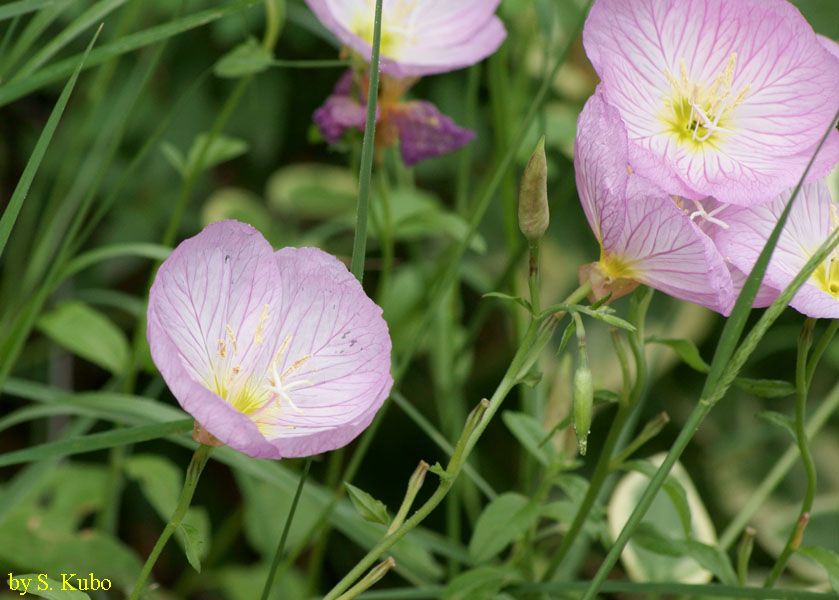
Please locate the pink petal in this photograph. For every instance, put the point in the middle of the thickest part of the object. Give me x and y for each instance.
(434, 36)
(424, 132)
(328, 316)
(792, 83)
(637, 222)
(223, 277)
(809, 224)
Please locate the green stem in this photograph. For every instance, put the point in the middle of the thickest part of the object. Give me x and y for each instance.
(638, 311)
(778, 472)
(272, 573)
(193, 472)
(359, 248)
(274, 10)
(819, 349)
(534, 279)
(801, 388)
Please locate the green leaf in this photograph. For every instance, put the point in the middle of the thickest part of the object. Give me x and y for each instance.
(713, 559)
(367, 506)
(518, 299)
(671, 487)
(247, 58)
(44, 587)
(530, 434)
(502, 522)
(570, 330)
(221, 149)
(780, 420)
(648, 537)
(13, 9)
(479, 584)
(828, 559)
(686, 350)
(87, 333)
(765, 388)
(96, 441)
(313, 191)
(7, 221)
(192, 541)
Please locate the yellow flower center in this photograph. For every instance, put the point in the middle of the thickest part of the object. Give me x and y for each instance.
(397, 25)
(615, 267)
(826, 276)
(700, 117)
(259, 396)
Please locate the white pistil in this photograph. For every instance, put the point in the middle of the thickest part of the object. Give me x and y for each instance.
(708, 216)
(277, 386)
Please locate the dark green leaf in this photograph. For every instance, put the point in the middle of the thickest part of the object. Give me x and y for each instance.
(479, 584)
(672, 488)
(247, 58)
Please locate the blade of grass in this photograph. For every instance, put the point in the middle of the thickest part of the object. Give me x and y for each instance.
(88, 18)
(30, 34)
(129, 43)
(96, 441)
(25, 6)
(7, 221)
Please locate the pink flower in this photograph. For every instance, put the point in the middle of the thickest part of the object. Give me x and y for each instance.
(645, 235)
(419, 37)
(721, 98)
(812, 218)
(276, 354)
(422, 130)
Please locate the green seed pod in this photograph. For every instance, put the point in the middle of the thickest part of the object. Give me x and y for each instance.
(533, 195)
(583, 401)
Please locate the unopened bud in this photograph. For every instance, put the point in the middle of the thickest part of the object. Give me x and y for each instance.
(475, 417)
(375, 574)
(533, 195)
(654, 427)
(414, 485)
(583, 402)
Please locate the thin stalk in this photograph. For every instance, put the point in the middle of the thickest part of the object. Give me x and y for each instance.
(193, 472)
(269, 582)
(470, 108)
(801, 389)
(274, 16)
(778, 472)
(638, 312)
(359, 249)
(819, 349)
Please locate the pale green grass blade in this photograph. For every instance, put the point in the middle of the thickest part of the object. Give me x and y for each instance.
(89, 18)
(16, 202)
(26, 6)
(118, 47)
(136, 250)
(96, 441)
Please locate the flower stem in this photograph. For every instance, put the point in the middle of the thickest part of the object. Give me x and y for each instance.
(274, 16)
(640, 303)
(193, 472)
(359, 248)
(269, 582)
(801, 388)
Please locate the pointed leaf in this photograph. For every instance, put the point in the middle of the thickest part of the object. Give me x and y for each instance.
(765, 388)
(686, 350)
(530, 433)
(828, 559)
(193, 543)
(780, 420)
(247, 58)
(502, 522)
(479, 584)
(87, 333)
(367, 506)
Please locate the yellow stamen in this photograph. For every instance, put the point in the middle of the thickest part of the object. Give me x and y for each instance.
(257, 337)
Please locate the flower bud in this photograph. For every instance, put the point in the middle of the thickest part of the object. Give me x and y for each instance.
(583, 401)
(533, 195)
